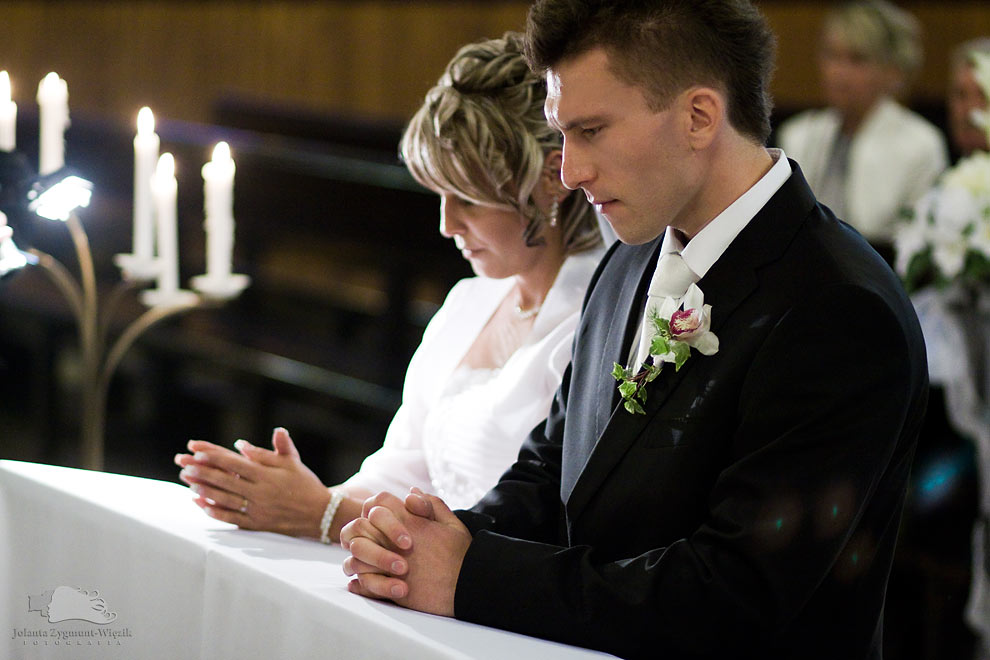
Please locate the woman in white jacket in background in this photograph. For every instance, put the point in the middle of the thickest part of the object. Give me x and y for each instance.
(866, 156)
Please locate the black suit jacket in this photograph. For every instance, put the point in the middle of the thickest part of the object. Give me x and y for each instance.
(753, 510)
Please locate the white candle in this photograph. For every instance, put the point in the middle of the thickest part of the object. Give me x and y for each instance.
(146, 145)
(53, 99)
(8, 115)
(218, 204)
(164, 190)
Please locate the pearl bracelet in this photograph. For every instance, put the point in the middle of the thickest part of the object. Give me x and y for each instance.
(336, 496)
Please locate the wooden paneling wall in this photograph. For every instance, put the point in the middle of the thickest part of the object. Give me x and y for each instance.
(369, 57)
(373, 57)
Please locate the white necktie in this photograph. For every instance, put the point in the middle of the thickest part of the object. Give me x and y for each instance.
(671, 280)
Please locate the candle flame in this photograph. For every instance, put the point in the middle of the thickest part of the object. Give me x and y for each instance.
(145, 121)
(166, 166)
(221, 152)
(4, 87)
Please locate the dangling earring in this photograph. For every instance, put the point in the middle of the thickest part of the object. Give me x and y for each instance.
(554, 211)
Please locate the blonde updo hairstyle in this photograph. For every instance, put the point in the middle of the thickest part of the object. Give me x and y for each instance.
(883, 32)
(481, 134)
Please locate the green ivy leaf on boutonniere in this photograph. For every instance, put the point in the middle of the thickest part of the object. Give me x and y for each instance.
(681, 351)
(632, 387)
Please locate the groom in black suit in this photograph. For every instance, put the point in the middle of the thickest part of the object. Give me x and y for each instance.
(740, 496)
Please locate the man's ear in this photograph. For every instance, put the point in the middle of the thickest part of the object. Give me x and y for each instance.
(706, 112)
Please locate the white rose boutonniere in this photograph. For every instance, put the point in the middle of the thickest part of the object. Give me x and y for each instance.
(676, 330)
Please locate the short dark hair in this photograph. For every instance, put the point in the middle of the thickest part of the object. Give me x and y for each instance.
(666, 46)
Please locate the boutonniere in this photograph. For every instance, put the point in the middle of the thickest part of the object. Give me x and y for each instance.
(676, 330)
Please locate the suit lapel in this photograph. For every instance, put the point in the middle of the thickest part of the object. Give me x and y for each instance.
(632, 296)
(621, 432)
(731, 280)
(628, 292)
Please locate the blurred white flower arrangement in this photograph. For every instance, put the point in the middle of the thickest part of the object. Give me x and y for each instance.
(946, 236)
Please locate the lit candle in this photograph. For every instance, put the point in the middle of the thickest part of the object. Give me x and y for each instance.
(146, 145)
(53, 99)
(218, 203)
(8, 115)
(164, 190)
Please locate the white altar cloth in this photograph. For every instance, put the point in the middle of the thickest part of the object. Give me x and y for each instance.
(173, 583)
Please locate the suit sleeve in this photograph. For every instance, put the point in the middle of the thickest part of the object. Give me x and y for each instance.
(825, 401)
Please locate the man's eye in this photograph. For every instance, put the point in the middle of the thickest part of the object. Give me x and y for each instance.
(590, 132)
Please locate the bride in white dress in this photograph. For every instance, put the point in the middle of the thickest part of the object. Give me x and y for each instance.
(493, 355)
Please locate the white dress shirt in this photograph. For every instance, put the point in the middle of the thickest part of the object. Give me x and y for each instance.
(708, 244)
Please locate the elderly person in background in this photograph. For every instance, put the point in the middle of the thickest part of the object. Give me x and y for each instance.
(966, 95)
(865, 156)
(493, 355)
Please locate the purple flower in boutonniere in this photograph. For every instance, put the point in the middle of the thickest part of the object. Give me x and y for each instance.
(677, 328)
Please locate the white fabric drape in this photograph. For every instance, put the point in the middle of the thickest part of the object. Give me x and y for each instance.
(181, 585)
(957, 337)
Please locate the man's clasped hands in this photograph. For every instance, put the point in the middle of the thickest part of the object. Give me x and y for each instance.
(409, 551)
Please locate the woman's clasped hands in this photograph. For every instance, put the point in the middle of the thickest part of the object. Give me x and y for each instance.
(257, 488)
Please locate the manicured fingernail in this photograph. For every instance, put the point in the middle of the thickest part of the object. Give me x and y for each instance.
(396, 591)
(240, 444)
(404, 541)
(398, 567)
(200, 456)
(196, 488)
(191, 470)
